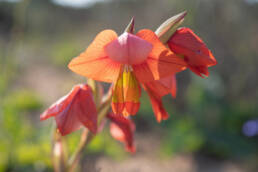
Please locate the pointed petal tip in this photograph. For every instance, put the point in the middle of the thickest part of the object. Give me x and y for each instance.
(167, 28)
(173, 95)
(42, 117)
(122, 129)
(132, 149)
(184, 13)
(130, 26)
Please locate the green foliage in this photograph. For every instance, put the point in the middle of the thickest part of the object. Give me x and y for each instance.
(20, 142)
(22, 101)
(104, 143)
(64, 51)
(182, 136)
(101, 143)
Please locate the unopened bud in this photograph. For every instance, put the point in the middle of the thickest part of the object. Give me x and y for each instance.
(166, 29)
(130, 26)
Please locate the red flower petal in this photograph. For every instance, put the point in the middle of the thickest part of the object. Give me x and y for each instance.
(94, 62)
(173, 86)
(160, 63)
(60, 105)
(163, 86)
(157, 106)
(85, 108)
(122, 129)
(195, 52)
(73, 110)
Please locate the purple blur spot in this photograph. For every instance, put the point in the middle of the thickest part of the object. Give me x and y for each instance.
(250, 128)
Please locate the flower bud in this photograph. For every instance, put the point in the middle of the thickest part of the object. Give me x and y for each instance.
(166, 29)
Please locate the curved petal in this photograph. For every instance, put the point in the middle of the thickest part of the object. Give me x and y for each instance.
(128, 49)
(122, 129)
(74, 110)
(163, 86)
(157, 105)
(67, 124)
(160, 63)
(85, 108)
(199, 70)
(94, 62)
(170, 84)
(59, 105)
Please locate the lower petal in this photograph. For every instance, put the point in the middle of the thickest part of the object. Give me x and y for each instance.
(173, 86)
(122, 129)
(85, 108)
(163, 86)
(118, 107)
(157, 106)
(131, 108)
(199, 70)
(118, 96)
(66, 124)
(132, 93)
(126, 94)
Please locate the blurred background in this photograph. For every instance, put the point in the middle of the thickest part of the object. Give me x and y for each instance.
(213, 125)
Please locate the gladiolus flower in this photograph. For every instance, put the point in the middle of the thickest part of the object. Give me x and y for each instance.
(122, 129)
(72, 111)
(127, 61)
(193, 50)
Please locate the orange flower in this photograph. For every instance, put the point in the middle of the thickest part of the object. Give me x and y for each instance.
(122, 129)
(193, 50)
(73, 110)
(127, 61)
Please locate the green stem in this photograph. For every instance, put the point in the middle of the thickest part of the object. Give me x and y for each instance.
(86, 137)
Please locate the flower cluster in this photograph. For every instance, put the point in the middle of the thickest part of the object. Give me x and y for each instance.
(130, 61)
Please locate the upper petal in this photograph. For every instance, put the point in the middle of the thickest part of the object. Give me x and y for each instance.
(160, 63)
(94, 62)
(128, 49)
